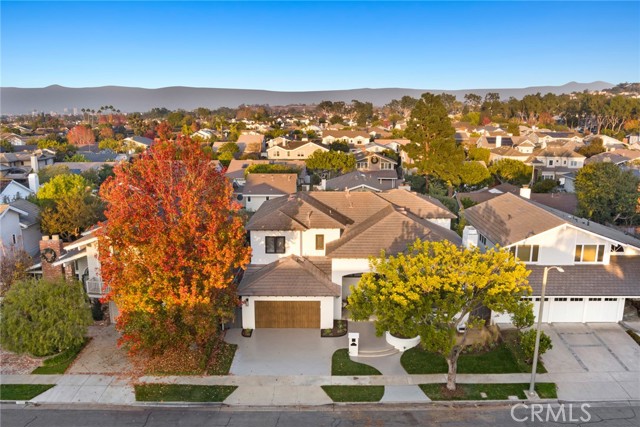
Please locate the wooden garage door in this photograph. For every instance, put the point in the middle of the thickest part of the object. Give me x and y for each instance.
(288, 314)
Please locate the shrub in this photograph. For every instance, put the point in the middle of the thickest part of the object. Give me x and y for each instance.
(528, 342)
(44, 317)
(544, 186)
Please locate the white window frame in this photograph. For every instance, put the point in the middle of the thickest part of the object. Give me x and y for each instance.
(599, 258)
(534, 250)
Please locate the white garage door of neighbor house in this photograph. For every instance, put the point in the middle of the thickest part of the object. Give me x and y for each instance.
(580, 309)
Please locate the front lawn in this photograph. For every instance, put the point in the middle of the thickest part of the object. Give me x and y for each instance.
(341, 364)
(183, 361)
(22, 391)
(493, 391)
(500, 360)
(59, 363)
(354, 393)
(182, 393)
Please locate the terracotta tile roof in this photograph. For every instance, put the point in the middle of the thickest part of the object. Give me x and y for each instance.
(290, 276)
(270, 183)
(621, 277)
(390, 230)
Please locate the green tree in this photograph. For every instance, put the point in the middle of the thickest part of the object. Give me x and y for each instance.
(45, 174)
(229, 147)
(43, 317)
(76, 158)
(5, 146)
(511, 171)
(113, 145)
(270, 168)
(474, 173)
(606, 194)
(479, 154)
(331, 162)
(528, 341)
(595, 146)
(544, 186)
(68, 206)
(430, 290)
(339, 146)
(98, 176)
(62, 149)
(433, 149)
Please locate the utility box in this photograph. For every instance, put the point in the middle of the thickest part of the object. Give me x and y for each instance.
(354, 343)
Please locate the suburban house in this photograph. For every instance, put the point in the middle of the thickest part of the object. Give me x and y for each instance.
(394, 144)
(294, 150)
(491, 142)
(362, 181)
(261, 187)
(310, 247)
(236, 170)
(372, 161)
(253, 143)
(74, 260)
(19, 227)
(608, 142)
(352, 137)
(618, 157)
(601, 265)
(565, 202)
(13, 190)
(554, 162)
(204, 134)
(138, 142)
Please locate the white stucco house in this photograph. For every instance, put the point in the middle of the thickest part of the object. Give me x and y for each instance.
(19, 227)
(310, 247)
(601, 265)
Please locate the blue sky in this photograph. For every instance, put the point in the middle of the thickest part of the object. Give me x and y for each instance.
(318, 46)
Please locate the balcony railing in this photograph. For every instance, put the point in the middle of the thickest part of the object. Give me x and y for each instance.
(95, 287)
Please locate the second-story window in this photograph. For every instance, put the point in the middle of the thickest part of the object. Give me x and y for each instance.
(274, 244)
(526, 253)
(319, 242)
(589, 253)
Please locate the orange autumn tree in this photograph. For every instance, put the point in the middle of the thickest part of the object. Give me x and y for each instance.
(169, 250)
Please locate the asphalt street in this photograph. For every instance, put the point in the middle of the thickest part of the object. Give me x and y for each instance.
(610, 415)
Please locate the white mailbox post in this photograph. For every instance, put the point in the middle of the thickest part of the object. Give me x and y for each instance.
(354, 343)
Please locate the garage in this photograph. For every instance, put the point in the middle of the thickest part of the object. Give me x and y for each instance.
(574, 310)
(287, 314)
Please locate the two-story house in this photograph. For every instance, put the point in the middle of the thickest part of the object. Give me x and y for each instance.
(352, 137)
(310, 247)
(294, 150)
(554, 162)
(19, 227)
(261, 187)
(601, 265)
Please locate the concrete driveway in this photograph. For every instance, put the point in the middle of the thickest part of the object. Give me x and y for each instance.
(603, 351)
(283, 352)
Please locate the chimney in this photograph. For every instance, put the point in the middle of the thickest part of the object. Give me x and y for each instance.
(469, 237)
(50, 252)
(34, 182)
(323, 184)
(498, 141)
(34, 163)
(525, 192)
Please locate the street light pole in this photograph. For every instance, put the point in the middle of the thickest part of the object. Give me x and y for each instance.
(539, 330)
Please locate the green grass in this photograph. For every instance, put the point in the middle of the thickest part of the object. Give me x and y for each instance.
(341, 364)
(59, 363)
(182, 393)
(502, 359)
(22, 391)
(493, 391)
(354, 393)
(225, 360)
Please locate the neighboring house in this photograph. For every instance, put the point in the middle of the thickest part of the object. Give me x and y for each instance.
(547, 137)
(294, 150)
(310, 247)
(30, 161)
(362, 181)
(29, 225)
(79, 167)
(608, 142)
(553, 163)
(10, 229)
(253, 143)
(353, 137)
(372, 161)
(504, 152)
(236, 170)
(491, 142)
(618, 157)
(138, 141)
(77, 260)
(12, 190)
(565, 202)
(601, 264)
(281, 140)
(261, 187)
(204, 134)
(394, 144)
(15, 140)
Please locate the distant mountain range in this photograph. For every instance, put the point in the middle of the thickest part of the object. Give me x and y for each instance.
(128, 99)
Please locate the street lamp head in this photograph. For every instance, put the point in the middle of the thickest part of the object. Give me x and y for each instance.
(560, 269)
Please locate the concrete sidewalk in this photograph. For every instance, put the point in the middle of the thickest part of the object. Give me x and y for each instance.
(266, 390)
